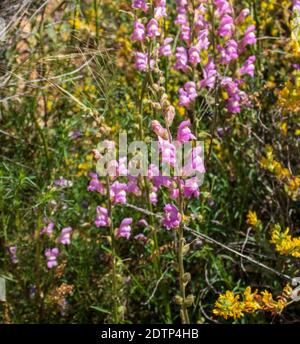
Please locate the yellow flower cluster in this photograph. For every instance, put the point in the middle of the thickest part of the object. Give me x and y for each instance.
(230, 305)
(268, 9)
(282, 174)
(284, 243)
(252, 219)
(289, 97)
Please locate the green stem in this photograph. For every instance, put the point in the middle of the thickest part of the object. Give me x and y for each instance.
(183, 312)
(96, 21)
(113, 254)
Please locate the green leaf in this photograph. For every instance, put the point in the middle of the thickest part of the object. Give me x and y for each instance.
(100, 309)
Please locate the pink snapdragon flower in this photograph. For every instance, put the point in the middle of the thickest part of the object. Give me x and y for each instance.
(65, 237)
(209, 73)
(152, 28)
(118, 192)
(181, 18)
(248, 67)
(229, 52)
(141, 237)
(250, 37)
(138, 31)
(223, 7)
(296, 6)
(125, 230)
(140, 4)
(185, 32)
(194, 163)
(62, 182)
(194, 55)
(132, 186)
(233, 102)
(13, 254)
(168, 152)
(166, 49)
(48, 229)
(181, 59)
(172, 217)
(153, 195)
(102, 219)
(95, 184)
(191, 188)
(160, 9)
(243, 15)
(187, 94)
(184, 133)
(51, 255)
(226, 26)
(141, 62)
(202, 37)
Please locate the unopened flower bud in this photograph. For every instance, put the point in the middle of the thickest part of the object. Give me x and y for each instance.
(159, 130)
(169, 115)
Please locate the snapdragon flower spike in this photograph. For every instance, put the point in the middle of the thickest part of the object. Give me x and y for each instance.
(65, 237)
(141, 62)
(138, 31)
(172, 217)
(118, 192)
(209, 73)
(181, 59)
(125, 230)
(95, 184)
(152, 28)
(48, 229)
(248, 67)
(51, 255)
(140, 4)
(166, 49)
(102, 219)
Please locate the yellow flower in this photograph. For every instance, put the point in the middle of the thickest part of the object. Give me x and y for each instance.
(252, 218)
(228, 306)
(284, 243)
